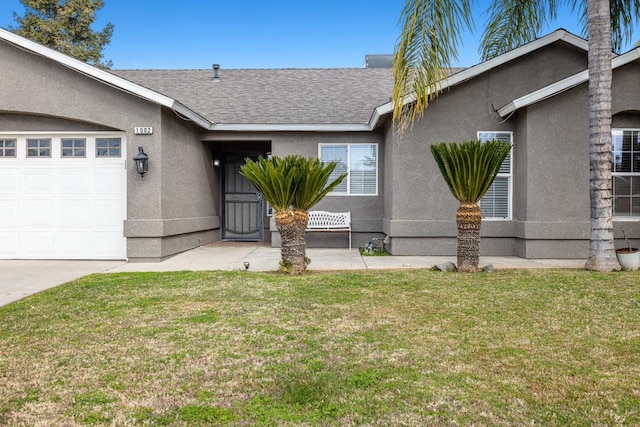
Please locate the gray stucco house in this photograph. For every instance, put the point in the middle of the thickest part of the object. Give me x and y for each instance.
(68, 132)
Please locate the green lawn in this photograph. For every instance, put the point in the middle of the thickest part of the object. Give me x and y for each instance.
(387, 348)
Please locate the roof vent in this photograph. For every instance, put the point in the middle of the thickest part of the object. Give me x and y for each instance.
(216, 72)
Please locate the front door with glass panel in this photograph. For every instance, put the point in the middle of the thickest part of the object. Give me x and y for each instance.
(243, 212)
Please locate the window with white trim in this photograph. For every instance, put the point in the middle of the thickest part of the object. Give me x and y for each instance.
(39, 147)
(496, 203)
(7, 148)
(73, 147)
(358, 161)
(108, 147)
(625, 171)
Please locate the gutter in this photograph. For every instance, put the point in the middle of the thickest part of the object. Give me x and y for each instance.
(266, 127)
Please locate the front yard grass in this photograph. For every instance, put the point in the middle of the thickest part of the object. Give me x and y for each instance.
(385, 348)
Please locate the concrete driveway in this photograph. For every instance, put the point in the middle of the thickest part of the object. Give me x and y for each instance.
(21, 278)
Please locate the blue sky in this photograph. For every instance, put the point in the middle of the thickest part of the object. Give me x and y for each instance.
(193, 34)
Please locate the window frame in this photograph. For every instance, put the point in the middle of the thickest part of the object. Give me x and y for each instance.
(39, 148)
(108, 155)
(348, 145)
(73, 148)
(4, 148)
(507, 175)
(632, 174)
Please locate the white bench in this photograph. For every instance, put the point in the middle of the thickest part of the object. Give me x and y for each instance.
(330, 221)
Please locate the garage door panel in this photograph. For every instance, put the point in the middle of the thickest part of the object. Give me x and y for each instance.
(38, 243)
(106, 209)
(75, 180)
(38, 211)
(9, 212)
(73, 244)
(73, 212)
(40, 180)
(9, 181)
(9, 244)
(109, 180)
(108, 242)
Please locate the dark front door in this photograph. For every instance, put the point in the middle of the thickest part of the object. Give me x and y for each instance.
(242, 203)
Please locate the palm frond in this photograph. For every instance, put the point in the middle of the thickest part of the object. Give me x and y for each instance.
(624, 15)
(274, 179)
(314, 184)
(469, 168)
(431, 31)
(291, 182)
(514, 23)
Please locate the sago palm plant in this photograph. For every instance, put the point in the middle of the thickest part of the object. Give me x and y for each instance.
(469, 169)
(292, 185)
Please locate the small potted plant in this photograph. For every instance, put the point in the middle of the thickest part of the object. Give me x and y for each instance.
(629, 258)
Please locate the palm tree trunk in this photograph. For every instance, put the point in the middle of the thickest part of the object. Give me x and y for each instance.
(292, 225)
(601, 248)
(469, 219)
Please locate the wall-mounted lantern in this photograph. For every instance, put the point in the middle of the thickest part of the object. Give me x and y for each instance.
(216, 162)
(142, 162)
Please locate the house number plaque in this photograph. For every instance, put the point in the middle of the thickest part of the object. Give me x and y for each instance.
(143, 130)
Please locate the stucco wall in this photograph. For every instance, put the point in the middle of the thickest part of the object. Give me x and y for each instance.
(625, 87)
(552, 175)
(188, 195)
(35, 123)
(555, 144)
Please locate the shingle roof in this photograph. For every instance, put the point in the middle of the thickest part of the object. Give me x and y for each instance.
(274, 96)
(281, 99)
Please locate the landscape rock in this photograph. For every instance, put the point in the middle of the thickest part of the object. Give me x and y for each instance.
(447, 267)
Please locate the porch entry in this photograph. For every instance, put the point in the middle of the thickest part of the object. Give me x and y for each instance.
(243, 205)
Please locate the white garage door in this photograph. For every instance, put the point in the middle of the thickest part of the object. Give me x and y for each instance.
(62, 196)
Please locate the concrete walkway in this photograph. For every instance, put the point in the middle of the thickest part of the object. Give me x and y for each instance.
(262, 258)
(19, 279)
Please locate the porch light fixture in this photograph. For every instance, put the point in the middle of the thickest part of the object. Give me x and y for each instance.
(142, 162)
(216, 162)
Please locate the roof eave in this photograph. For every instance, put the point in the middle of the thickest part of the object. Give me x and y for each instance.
(563, 85)
(103, 76)
(189, 114)
(378, 113)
